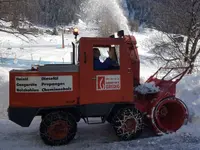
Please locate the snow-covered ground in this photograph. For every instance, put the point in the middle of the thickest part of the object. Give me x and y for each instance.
(45, 49)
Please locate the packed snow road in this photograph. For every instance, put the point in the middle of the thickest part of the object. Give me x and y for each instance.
(93, 137)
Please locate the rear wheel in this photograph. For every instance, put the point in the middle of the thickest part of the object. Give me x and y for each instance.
(58, 128)
(128, 123)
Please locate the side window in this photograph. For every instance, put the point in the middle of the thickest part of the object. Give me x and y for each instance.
(106, 57)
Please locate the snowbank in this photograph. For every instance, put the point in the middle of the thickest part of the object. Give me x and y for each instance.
(4, 98)
(4, 75)
(188, 90)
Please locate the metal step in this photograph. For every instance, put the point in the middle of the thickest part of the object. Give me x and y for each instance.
(89, 122)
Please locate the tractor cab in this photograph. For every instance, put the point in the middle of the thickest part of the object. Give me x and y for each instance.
(105, 69)
(105, 51)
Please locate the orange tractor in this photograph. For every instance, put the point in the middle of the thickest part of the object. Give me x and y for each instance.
(63, 94)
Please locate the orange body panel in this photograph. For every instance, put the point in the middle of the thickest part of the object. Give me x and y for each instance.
(88, 77)
(49, 99)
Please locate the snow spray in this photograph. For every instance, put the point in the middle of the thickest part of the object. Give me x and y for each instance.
(93, 10)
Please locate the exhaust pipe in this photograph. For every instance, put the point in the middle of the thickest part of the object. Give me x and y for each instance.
(169, 115)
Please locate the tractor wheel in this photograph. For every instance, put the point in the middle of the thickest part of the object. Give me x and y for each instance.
(128, 123)
(58, 128)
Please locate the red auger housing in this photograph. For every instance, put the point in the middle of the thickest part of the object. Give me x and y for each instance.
(63, 94)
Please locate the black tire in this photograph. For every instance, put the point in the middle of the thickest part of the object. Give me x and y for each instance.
(113, 112)
(49, 131)
(123, 119)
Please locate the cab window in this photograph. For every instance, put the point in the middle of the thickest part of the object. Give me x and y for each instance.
(106, 57)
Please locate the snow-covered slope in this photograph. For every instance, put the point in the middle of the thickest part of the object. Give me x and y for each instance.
(46, 49)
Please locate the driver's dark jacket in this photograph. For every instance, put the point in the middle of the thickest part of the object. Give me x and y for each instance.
(107, 64)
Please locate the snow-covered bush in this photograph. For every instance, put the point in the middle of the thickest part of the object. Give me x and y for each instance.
(147, 88)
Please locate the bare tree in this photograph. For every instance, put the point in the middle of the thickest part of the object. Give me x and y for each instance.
(140, 9)
(14, 12)
(177, 17)
(46, 12)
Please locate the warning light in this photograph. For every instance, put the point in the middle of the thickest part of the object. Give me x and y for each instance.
(75, 32)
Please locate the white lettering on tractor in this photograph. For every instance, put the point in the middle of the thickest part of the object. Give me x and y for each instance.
(108, 82)
(34, 84)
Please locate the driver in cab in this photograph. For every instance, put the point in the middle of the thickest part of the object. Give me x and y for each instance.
(108, 64)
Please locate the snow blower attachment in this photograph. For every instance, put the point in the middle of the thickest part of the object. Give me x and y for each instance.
(63, 94)
(168, 115)
(165, 112)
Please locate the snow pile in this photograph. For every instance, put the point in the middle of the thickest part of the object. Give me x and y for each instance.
(1, 79)
(147, 88)
(3, 75)
(188, 90)
(4, 95)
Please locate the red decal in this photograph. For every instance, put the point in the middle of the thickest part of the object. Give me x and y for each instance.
(101, 82)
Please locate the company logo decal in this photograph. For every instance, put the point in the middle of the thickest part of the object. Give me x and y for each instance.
(108, 82)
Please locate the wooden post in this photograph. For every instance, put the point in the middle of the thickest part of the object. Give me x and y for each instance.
(63, 40)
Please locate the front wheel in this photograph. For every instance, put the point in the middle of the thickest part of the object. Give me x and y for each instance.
(128, 123)
(58, 128)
